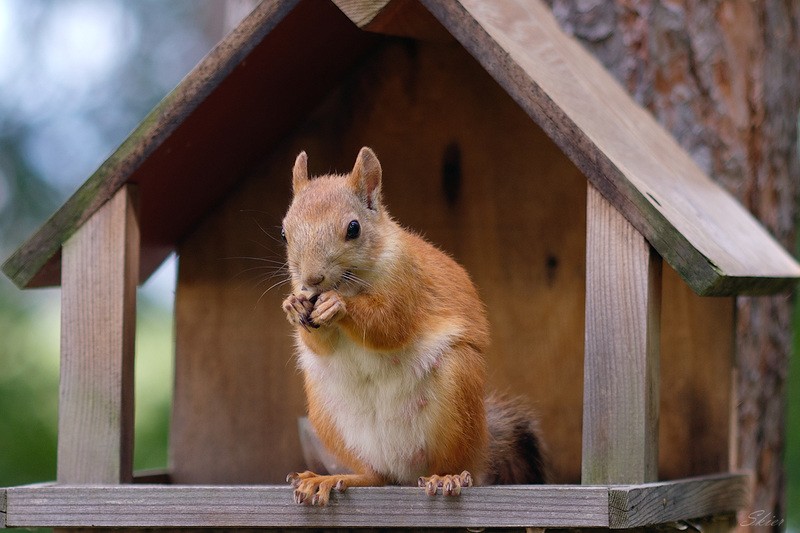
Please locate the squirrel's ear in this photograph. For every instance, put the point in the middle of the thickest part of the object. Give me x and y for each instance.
(366, 178)
(300, 173)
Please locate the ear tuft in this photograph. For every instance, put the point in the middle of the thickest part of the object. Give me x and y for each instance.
(365, 179)
(300, 173)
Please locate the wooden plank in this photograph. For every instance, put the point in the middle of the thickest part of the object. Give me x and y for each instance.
(697, 227)
(659, 503)
(98, 317)
(221, 427)
(623, 310)
(272, 506)
(227, 411)
(140, 506)
(697, 346)
(3, 500)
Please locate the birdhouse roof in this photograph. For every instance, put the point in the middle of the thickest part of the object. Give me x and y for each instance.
(287, 54)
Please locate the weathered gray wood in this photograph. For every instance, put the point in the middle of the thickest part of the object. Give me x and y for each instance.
(551, 506)
(658, 503)
(623, 310)
(98, 315)
(272, 506)
(2, 508)
(698, 228)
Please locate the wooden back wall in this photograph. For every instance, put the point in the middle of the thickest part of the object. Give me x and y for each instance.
(464, 166)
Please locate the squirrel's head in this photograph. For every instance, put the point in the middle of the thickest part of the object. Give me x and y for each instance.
(332, 228)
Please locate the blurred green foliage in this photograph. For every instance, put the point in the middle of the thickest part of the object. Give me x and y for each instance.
(29, 387)
(154, 378)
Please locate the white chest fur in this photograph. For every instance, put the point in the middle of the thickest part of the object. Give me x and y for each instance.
(384, 404)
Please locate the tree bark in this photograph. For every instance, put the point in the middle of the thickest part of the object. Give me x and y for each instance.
(724, 77)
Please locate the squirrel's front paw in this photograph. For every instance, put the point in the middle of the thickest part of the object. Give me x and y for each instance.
(298, 308)
(328, 308)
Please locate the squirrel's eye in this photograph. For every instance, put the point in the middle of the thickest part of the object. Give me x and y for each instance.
(283, 235)
(353, 230)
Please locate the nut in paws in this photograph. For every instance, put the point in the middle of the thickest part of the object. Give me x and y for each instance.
(328, 309)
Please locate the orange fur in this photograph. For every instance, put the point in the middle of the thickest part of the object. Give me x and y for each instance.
(412, 296)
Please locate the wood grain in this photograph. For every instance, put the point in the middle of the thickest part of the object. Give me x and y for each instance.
(697, 351)
(621, 360)
(228, 506)
(273, 506)
(658, 503)
(518, 225)
(3, 500)
(698, 228)
(98, 321)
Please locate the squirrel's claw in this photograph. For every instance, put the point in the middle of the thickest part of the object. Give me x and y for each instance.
(314, 489)
(298, 308)
(450, 484)
(294, 477)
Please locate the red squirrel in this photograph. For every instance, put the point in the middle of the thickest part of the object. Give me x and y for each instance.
(391, 336)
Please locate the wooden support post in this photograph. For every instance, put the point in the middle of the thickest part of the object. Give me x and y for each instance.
(620, 396)
(99, 275)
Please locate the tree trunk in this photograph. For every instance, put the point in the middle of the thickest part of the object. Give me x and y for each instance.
(724, 77)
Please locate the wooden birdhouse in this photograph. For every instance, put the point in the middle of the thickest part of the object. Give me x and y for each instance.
(612, 310)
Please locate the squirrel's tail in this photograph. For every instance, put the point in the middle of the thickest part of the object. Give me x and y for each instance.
(516, 450)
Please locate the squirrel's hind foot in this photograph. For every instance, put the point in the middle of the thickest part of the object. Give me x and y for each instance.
(450, 484)
(315, 489)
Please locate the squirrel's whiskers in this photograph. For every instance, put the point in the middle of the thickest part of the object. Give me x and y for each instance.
(391, 336)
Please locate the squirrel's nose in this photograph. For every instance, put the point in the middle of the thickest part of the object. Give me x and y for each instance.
(314, 279)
